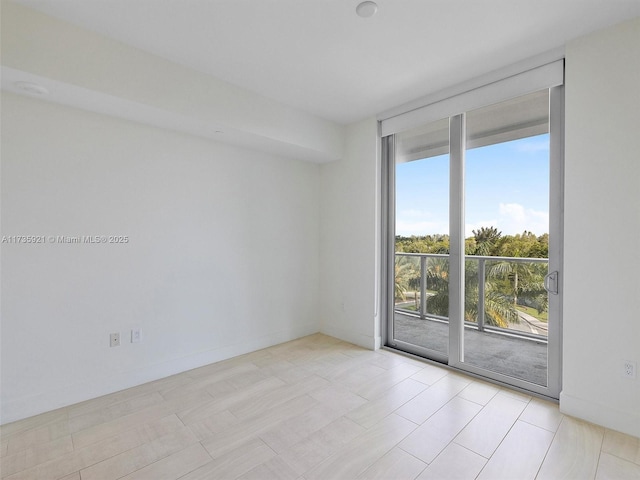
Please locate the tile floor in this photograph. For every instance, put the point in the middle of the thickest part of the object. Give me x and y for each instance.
(314, 408)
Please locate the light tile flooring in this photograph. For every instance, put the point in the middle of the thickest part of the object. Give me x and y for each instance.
(314, 408)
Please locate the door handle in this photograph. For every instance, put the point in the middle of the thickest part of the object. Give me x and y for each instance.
(551, 279)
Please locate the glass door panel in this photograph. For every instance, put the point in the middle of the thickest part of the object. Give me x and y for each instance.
(421, 286)
(475, 230)
(506, 192)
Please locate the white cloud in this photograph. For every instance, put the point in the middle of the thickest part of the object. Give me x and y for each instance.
(419, 222)
(513, 211)
(515, 218)
(511, 219)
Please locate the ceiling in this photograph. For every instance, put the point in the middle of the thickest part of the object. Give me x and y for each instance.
(320, 57)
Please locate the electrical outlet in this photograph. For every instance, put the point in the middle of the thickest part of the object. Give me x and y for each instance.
(114, 340)
(136, 335)
(629, 369)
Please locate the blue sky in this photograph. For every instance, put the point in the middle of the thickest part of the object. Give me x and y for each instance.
(507, 187)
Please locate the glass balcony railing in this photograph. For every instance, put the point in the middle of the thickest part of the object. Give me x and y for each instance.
(502, 294)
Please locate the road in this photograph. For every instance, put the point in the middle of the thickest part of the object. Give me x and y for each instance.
(529, 324)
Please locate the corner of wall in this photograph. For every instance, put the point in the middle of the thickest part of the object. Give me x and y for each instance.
(350, 236)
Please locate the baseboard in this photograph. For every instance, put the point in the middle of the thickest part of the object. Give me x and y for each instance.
(97, 387)
(365, 341)
(599, 414)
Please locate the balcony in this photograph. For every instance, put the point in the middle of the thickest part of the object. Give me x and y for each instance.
(505, 327)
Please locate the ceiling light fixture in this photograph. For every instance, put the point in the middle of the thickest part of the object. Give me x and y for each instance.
(366, 9)
(33, 88)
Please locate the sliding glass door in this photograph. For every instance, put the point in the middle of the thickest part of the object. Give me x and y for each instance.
(474, 240)
(421, 261)
(506, 204)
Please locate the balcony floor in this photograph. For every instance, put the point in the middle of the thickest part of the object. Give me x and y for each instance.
(521, 358)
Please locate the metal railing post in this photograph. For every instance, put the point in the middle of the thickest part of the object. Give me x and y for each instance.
(481, 279)
(423, 287)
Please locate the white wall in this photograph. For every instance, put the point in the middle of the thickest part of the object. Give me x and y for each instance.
(602, 227)
(350, 233)
(222, 257)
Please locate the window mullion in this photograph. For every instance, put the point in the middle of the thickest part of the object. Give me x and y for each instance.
(457, 139)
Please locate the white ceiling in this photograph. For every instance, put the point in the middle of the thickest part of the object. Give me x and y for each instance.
(319, 56)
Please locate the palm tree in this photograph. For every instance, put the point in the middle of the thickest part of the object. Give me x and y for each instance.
(486, 238)
(519, 279)
(407, 276)
(498, 308)
(533, 293)
(400, 287)
(438, 282)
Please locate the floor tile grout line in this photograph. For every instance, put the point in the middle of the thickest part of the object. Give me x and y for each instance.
(595, 474)
(110, 405)
(398, 408)
(544, 458)
(502, 441)
(468, 449)
(417, 458)
(126, 450)
(455, 436)
(621, 458)
(477, 403)
(539, 426)
(395, 445)
(25, 432)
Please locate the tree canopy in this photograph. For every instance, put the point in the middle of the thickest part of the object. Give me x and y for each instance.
(508, 284)
(486, 241)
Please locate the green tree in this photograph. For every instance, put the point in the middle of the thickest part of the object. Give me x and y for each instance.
(438, 282)
(507, 284)
(485, 240)
(407, 277)
(517, 278)
(523, 280)
(499, 310)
